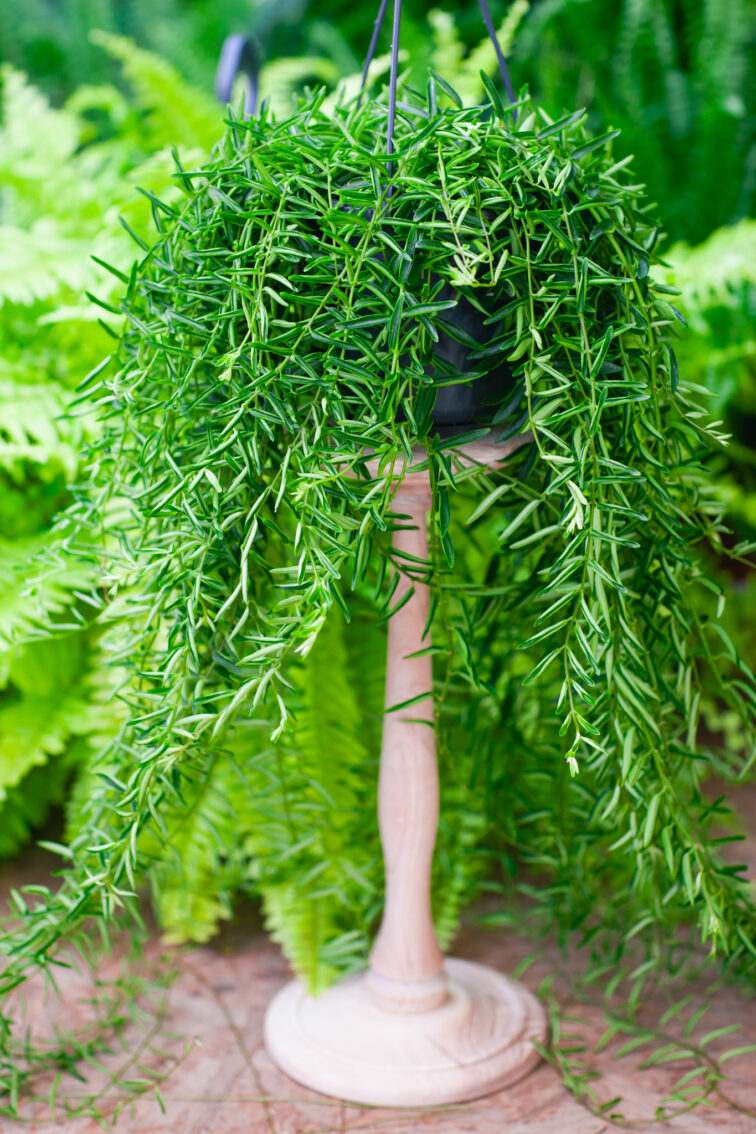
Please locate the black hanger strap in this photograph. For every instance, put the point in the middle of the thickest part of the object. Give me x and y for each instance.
(239, 55)
(393, 79)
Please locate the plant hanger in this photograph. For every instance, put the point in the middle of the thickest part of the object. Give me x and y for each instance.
(240, 55)
(394, 72)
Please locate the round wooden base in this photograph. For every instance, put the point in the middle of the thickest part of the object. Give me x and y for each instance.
(478, 1041)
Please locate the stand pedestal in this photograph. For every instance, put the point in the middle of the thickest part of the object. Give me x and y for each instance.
(414, 1029)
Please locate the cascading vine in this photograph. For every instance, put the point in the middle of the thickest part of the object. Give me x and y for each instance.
(283, 327)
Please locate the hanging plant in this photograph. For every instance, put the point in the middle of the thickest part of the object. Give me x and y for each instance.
(313, 302)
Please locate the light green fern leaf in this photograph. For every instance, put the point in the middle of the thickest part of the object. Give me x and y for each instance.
(462, 69)
(33, 594)
(35, 427)
(56, 714)
(711, 272)
(194, 872)
(179, 114)
(25, 807)
(35, 139)
(48, 706)
(322, 906)
(35, 264)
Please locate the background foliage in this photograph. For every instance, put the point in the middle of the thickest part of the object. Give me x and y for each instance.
(675, 78)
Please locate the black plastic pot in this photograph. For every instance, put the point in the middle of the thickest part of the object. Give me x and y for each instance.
(471, 402)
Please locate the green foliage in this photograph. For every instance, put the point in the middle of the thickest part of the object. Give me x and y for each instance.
(47, 703)
(174, 112)
(61, 193)
(625, 845)
(281, 79)
(50, 39)
(676, 79)
(462, 67)
(718, 282)
(282, 327)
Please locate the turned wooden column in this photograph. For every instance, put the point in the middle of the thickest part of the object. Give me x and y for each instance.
(415, 1029)
(406, 963)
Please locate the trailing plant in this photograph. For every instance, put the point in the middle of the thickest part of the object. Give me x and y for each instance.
(285, 325)
(65, 191)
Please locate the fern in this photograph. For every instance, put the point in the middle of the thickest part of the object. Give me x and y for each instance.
(198, 867)
(718, 282)
(318, 860)
(713, 272)
(462, 68)
(176, 112)
(38, 717)
(36, 264)
(28, 154)
(48, 708)
(34, 595)
(61, 194)
(35, 429)
(25, 808)
(674, 78)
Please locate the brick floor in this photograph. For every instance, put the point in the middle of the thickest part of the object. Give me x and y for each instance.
(219, 1079)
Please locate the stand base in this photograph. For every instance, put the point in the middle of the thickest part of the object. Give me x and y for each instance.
(478, 1041)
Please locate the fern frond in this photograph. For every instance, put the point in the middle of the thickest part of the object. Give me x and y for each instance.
(35, 427)
(46, 704)
(25, 807)
(195, 871)
(35, 264)
(313, 826)
(458, 864)
(461, 68)
(178, 113)
(55, 715)
(61, 195)
(33, 594)
(713, 271)
(35, 138)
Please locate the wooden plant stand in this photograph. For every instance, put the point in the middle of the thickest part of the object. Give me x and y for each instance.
(416, 1029)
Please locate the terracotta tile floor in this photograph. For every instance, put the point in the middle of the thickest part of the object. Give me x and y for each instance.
(219, 1079)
